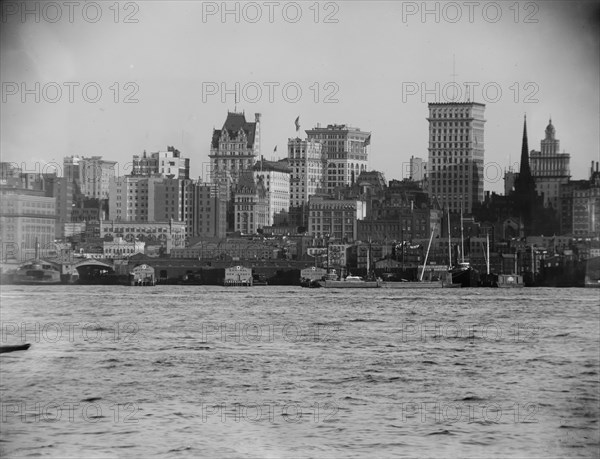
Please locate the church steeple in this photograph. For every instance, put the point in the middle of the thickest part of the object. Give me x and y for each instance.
(525, 194)
(525, 170)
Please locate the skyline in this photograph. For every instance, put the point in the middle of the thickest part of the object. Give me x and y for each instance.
(368, 63)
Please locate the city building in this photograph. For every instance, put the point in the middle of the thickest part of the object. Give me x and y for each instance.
(456, 150)
(27, 220)
(131, 198)
(250, 204)
(307, 168)
(335, 218)
(62, 190)
(550, 168)
(275, 175)
(169, 164)
(92, 176)
(234, 148)
(418, 172)
(586, 207)
(167, 234)
(345, 151)
(209, 212)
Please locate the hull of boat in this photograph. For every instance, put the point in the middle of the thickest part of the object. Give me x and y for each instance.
(28, 280)
(14, 347)
(412, 285)
(466, 278)
(350, 284)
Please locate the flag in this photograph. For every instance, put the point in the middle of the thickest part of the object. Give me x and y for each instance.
(297, 123)
(368, 140)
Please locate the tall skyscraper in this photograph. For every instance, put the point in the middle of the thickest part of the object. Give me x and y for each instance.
(234, 148)
(550, 169)
(456, 149)
(345, 150)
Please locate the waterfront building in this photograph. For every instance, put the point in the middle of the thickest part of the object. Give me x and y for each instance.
(345, 151)
(117, 248)
(27, 218)
(238, 275)
(335, 218)
(234, 148)
(456, 154)
(166, 234)
(550, 168)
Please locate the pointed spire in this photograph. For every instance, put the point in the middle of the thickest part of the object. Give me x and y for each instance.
(525, 170)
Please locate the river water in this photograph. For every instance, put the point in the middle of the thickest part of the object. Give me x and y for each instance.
(264, 372)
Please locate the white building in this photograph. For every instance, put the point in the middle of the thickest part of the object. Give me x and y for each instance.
(307, 166)
(345, 150)
(550, 168)
(169, 164)
(275, 176)
(234, 148)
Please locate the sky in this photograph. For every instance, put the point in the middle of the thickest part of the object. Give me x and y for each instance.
(114, 79)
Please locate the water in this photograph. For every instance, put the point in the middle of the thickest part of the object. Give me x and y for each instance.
(261, 372)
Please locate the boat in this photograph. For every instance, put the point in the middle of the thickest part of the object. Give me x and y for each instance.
(310, 283)
(351, 282)
(439, 283)
(14, 347)
(37, 272)
(465, 275)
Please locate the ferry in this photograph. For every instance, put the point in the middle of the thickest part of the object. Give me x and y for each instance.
(37, 272)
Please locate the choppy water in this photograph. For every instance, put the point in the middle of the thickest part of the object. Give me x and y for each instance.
(290, 372)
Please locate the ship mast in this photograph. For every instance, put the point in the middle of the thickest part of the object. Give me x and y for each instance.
(449, 243)
(487, 259)
(427, 254)
(462, 239)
